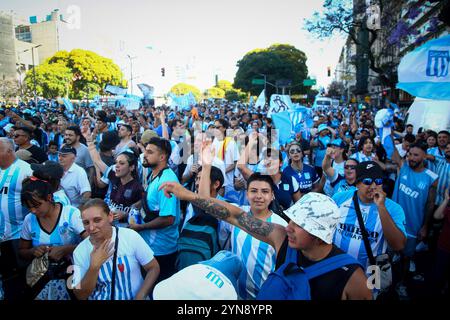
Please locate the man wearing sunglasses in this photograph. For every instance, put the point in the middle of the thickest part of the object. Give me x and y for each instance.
(384, 219)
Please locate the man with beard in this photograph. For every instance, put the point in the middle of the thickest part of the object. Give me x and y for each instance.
(72, 138)
(415, 192)
(162, 215)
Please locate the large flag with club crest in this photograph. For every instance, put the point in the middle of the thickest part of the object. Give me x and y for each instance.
(289, 123)
(279, 103)
(424, 72)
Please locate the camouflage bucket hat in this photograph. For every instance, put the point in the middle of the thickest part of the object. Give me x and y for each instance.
(316, 213)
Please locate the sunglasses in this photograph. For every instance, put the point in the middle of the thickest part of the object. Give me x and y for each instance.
(369, 181)
(350, 167)
(292, 151)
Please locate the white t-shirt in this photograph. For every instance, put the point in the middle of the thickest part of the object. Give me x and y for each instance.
(132, 253)
(231, 155)
(75, 182)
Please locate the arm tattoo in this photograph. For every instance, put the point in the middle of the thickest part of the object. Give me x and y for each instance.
(216, 210)
(254, 225)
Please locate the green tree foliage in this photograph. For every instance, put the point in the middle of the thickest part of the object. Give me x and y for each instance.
(279, 61)
(183, 88)
(77, 73)
(216, 93)
(336, 89)
(236, 95)
(224, 85)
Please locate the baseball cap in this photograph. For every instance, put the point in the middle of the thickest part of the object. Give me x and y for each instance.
(48, 170)
(147, 135)
(368, 169)
(24, 155)
(317, 214)
(67, 149)
(322, 127)
(338, 143)
(214, 279)
(316, 118)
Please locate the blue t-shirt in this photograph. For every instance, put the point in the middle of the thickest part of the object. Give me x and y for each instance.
(348, 236)
(306, 179)
(411, 193)
(162, 241)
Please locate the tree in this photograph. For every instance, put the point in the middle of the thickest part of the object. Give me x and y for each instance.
(183, 88)
(347, 17)
(236, 95)
(216, 93)
(78, 74)
(336, 89)
(224, 85)
(277, 62)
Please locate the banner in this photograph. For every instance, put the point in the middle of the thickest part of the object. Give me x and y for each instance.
(279, 103)
(291, 122)
(424, 72)
(116, 90)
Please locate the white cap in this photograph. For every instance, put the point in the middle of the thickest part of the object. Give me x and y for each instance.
(316, 213)
(196, 282)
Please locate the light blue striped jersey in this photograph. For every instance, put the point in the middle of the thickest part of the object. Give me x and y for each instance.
(61, 197)
(348, 236)
(443, 172)
(329, 187)
(439, 156)
(67, 230)
(132, 253)
(259, 258)
(411, 193)
(361, 157)
(12, 212)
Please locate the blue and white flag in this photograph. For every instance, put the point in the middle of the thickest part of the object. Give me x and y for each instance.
(261, 101)
(283, 123)
(384, 121)
(291, 122)
(68, 104)
(279, 103)
(147, 90)
(424, 72)
(115, 90)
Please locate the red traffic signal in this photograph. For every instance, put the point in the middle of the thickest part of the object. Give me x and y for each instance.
(163, 72)
(329, 71)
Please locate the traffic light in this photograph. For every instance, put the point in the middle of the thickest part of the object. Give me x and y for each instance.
(329, 71)
(163, 72)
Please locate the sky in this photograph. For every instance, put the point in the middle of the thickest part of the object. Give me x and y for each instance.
(193, 40)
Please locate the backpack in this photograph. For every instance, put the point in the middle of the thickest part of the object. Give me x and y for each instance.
(290, 282)
(198, 241)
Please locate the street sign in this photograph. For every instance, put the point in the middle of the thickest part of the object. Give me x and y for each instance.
(283, 83)
(309, 82)
(258, 81)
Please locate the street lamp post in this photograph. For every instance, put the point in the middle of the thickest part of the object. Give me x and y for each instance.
(34, 70)
(131, 71)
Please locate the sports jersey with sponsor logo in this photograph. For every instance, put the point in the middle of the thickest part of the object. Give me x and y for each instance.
(348, 235)
(67, 230)
(132, 253)
(12, 212)
(306, 179)
(411, 193)
(258, 258)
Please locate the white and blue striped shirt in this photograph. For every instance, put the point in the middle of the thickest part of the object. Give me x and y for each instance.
(61, 197)
(12, 212)
(67, 229)
(361, 157)
(443, 171)
(348, 236)
(258, 257)
(132, 253)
